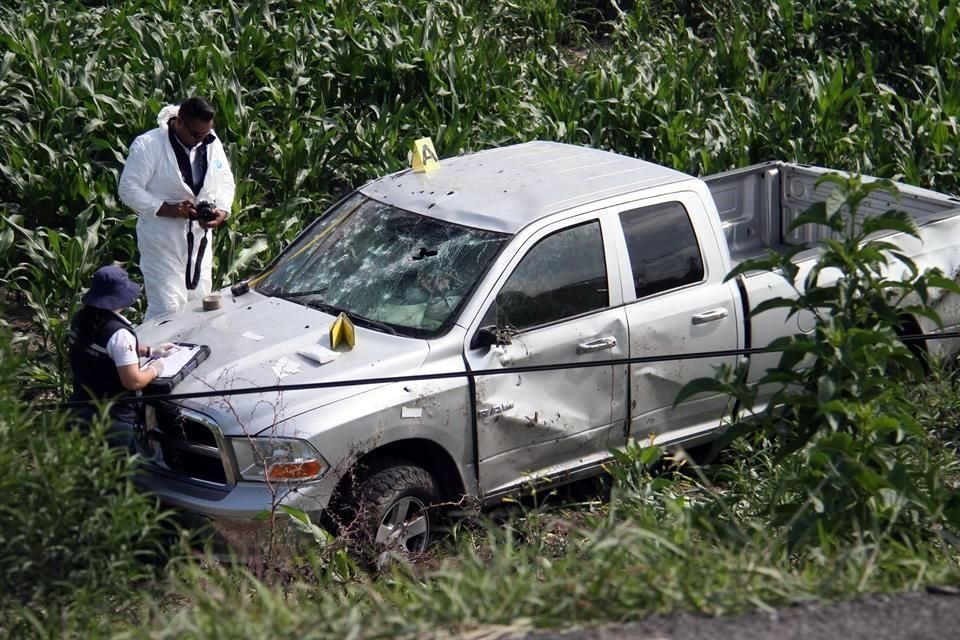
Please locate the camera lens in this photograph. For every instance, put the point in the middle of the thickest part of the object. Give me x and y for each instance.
(205, 211)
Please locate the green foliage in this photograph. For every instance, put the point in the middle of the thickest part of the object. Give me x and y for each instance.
(70, 518)
(541, 569)
(639, 489)
(314, 99)
(325, 558)
(853, 458)
(58, 266)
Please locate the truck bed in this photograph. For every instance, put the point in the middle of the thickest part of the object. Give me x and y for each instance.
(757, 204)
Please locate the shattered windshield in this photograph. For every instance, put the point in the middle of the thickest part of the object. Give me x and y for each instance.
(387, 268)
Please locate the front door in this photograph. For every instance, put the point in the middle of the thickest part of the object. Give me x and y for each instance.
(554, 307)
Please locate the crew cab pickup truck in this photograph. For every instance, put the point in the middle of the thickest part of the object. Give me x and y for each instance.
(523, 256)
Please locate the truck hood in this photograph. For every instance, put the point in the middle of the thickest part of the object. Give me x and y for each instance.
(255, 341)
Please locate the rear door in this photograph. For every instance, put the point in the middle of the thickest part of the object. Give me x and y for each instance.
(559, 301)
(677, 305)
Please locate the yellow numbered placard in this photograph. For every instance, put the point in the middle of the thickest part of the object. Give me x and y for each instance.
(342, 332)
(424, 155)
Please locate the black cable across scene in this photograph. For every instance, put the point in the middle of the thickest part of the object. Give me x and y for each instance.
(280, 388)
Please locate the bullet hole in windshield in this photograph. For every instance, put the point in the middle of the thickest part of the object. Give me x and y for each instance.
(375, 263)
(424, 253)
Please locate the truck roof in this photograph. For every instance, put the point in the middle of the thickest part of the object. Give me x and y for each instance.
(506, 188)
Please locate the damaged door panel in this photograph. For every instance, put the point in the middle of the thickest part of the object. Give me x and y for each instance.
(681, 308)
(553, 309)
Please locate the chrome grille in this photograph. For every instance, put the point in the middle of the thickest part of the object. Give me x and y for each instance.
(184, 443)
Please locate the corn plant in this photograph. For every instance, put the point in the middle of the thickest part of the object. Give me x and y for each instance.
(855, 459)
(57, 268)
(69, 519)
(313, 99)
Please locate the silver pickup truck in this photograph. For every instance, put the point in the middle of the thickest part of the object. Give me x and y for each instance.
(527, 255)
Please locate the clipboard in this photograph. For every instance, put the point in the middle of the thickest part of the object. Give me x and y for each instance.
(177, 366)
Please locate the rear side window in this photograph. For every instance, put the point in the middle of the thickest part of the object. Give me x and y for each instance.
(563, 275)
(663, 248)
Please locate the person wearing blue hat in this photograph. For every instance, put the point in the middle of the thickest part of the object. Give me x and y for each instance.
(105, 353)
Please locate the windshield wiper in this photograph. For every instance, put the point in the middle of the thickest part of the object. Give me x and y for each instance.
(297, 294)
(326, 307)
(374, 324)
(367, 322)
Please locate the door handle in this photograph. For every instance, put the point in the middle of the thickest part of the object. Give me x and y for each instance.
(507, 359)
(508, 354)
(710, 316)
(599, 344)
(495, 410)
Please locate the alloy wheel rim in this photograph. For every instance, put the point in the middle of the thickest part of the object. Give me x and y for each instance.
(405, 527)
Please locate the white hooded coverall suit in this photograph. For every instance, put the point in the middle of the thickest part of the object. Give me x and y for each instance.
(150, 178)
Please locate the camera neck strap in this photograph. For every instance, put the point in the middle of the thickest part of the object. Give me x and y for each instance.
(193, 279)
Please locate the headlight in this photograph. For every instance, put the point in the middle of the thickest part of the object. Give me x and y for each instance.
(277, 459)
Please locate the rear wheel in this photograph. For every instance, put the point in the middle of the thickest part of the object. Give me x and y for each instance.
(393, 508)
(910, 327)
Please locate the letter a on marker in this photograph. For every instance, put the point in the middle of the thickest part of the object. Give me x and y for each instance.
(424, 156)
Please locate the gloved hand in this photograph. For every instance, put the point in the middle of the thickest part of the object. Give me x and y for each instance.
(163, 349)
(156, 365)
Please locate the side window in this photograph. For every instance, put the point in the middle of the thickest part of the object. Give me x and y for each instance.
(663, 248)
(563, 275)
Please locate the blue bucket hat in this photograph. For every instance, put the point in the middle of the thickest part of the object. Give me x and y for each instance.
(111, 289)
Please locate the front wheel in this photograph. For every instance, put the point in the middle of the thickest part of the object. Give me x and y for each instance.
(393, 505)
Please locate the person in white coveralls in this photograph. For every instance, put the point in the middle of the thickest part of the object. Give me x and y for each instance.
(178, 181)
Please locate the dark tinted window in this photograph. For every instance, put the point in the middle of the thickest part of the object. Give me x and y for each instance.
(563, 275)
(664, 253)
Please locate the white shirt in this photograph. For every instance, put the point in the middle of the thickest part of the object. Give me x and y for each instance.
(122, 345)
(122, 348)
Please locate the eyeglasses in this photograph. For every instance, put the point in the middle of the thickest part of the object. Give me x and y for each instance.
(196, 135)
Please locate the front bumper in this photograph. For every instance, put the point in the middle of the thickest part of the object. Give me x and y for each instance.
(188, 464)
(240, 522)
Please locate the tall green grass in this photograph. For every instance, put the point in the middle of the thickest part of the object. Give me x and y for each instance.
(313, 99)
(855, 461)
(847, 488)
(665, 542)
(74, 532)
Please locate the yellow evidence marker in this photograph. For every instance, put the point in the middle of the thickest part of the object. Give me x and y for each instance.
(342, 332)
(424, 155)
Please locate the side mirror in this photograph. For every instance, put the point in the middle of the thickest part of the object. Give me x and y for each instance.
(490, 336)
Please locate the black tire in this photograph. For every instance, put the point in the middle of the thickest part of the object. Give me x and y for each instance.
(392, 511)
(910, 327)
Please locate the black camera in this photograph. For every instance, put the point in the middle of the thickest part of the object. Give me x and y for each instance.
(205, 212)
